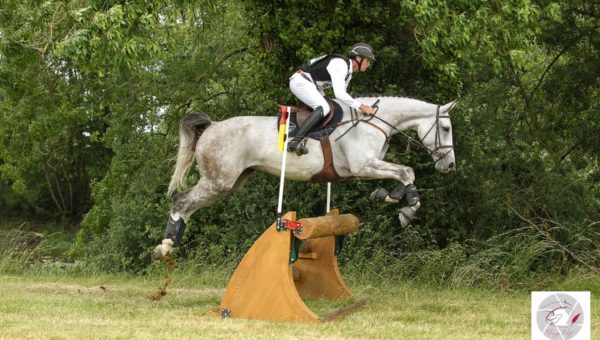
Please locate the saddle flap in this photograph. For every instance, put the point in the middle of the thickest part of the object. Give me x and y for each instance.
(300, 113)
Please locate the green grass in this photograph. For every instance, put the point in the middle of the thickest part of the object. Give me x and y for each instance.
(42, 297)
(116, 306)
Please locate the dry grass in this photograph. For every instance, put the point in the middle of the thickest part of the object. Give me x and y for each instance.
(64, 307)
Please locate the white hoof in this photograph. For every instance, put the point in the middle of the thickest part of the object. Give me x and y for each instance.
(163, 249)
(406, 215)
(403, 220)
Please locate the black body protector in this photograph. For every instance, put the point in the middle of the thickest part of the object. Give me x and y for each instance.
(318, 68)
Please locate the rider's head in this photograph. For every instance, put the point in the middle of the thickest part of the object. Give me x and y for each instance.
(362, 56)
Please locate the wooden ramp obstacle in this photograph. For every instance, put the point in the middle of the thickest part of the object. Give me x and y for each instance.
(284, 265)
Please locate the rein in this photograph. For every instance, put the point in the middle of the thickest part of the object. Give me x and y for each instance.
(437, 144)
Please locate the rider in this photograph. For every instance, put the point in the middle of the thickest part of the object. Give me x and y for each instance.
(333, 70)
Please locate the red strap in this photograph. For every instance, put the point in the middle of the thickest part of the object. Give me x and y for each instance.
(283, 110)
(292, 225)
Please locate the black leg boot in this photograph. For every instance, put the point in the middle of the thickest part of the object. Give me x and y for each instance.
(295, 143)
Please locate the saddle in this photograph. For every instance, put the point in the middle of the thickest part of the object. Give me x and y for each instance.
(300, 113)
(321, 133)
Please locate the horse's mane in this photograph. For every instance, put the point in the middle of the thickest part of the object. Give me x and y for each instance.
(379, 95)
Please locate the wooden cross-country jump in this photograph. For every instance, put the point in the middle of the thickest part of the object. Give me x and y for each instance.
(285, 265)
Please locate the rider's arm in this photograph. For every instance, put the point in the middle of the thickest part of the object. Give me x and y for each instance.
(338, 69)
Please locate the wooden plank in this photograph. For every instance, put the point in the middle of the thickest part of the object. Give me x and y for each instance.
(316, 227)
(262, 287)
(320, 277)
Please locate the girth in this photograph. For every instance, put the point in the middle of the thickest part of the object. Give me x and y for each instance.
(328, 173)
(321, 133)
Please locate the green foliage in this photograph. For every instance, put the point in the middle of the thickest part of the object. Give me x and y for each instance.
(91, 96)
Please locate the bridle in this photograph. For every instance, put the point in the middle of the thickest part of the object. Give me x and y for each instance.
(437, 146)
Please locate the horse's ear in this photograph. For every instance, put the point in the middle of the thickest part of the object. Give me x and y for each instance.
(446, 108)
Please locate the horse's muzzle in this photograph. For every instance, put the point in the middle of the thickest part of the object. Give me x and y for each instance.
(445, 166)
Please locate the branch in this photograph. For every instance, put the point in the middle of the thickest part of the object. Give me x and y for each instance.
(231, 54)
(569, 150)
(548, 69)
(520, 84)
(50, 186)
(214, 96)
(548, 237)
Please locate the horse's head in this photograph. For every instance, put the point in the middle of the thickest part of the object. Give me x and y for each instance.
(436, 134)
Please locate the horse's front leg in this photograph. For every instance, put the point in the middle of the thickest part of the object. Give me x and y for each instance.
(376, 168)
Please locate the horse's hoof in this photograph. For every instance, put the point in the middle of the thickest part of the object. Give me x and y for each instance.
(379, 195)
(163, 249)
(403, 220)
(406, 215)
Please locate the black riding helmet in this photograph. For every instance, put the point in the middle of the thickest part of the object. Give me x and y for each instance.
(363, 50)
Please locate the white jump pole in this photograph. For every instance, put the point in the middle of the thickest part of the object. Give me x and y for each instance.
(328, 208)
(282, 175)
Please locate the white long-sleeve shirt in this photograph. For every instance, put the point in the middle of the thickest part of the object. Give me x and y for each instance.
(338, 69)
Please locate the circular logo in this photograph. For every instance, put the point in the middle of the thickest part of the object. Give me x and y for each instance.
(560, 316)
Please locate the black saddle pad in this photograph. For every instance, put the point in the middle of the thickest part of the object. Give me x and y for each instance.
(318, 131)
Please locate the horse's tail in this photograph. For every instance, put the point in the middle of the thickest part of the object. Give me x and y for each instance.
(191, 127)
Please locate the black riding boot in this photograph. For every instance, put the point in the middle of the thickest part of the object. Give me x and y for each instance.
(295, 143)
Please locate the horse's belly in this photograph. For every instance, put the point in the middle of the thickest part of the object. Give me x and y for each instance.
(297, 168)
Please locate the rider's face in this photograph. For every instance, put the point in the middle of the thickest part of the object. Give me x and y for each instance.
(366, 63)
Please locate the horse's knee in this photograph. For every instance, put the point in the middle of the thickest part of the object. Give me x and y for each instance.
(407, 174)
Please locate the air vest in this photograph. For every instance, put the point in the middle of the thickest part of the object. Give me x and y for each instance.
(318, 67)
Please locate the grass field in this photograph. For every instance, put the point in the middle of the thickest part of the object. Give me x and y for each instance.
(117, 306)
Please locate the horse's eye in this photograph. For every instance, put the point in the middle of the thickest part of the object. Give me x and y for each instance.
(446, 129)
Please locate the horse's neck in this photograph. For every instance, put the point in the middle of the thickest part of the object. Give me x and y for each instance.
(404, 113)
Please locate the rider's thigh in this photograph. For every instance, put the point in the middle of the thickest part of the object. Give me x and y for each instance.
(307, 92)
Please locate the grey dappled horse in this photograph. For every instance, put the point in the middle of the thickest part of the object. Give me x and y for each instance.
(228, 151)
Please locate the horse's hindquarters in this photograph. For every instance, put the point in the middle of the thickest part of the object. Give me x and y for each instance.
(229, 147)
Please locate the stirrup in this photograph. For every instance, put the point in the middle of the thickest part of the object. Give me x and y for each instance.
(301, 149)
(297, 145)
(293, 144)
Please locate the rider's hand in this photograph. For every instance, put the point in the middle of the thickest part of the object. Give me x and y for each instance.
(366, 109)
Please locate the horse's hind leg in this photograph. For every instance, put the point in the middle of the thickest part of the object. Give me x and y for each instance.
(204, 193)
